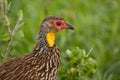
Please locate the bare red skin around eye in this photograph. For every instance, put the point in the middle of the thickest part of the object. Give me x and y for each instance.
(62, 25)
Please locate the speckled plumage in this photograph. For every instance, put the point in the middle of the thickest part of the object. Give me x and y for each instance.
(32, 66)
(41, 64)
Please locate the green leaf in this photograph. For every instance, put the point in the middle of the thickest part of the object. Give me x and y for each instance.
(5, 37)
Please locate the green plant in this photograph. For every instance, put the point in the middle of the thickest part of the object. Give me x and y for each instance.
(77, 65)
(7, 36)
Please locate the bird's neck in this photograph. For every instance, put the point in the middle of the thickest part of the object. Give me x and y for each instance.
(50, 38)
(45, 56)
(46, 40)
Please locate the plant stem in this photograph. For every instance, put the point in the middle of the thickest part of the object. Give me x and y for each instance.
(7, 24)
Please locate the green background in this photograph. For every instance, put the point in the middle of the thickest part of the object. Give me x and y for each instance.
(96, 22)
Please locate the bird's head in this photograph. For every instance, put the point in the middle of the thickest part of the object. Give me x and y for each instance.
(51, 25)
(55, 24)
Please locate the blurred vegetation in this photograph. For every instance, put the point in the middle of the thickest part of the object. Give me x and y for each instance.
(77, 65)
(96, 22)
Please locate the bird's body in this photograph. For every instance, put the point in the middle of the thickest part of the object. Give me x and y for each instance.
(32, 66)
(42, 63)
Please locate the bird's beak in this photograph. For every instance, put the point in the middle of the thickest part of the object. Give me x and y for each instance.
(69, 26)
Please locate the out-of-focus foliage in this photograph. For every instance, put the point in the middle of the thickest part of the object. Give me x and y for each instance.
(77, 65)
(97, 22)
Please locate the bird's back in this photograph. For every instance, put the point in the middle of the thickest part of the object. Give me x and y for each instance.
(34, 66)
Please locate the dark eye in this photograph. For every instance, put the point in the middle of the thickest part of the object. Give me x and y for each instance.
(58, 23)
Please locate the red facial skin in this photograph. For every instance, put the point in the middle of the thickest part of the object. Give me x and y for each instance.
(59, 24)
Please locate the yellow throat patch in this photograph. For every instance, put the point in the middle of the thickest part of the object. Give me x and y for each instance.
(50, 37)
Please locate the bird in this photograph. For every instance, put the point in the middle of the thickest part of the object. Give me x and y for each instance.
(43, 61)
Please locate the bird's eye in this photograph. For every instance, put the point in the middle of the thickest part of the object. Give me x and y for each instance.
(58, 23)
